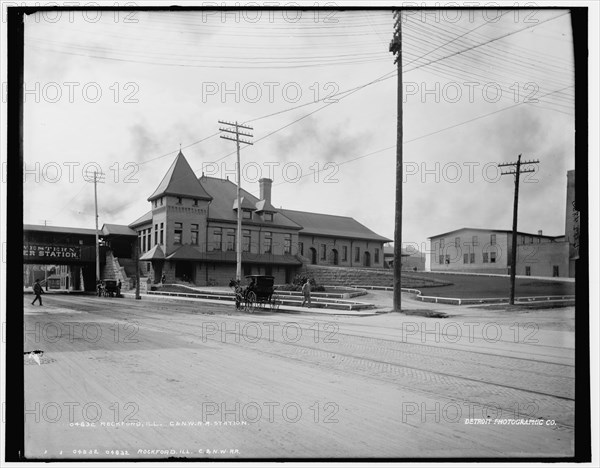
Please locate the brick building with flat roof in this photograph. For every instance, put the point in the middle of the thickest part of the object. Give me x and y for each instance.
(490, 250)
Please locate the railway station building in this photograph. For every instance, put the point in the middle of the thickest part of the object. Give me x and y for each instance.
(190, 231)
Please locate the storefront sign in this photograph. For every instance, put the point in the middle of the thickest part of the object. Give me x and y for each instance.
(51, 252)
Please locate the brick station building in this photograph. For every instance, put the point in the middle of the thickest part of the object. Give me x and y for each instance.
(190, 233)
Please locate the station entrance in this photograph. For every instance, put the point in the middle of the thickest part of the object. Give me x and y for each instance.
(61, 258)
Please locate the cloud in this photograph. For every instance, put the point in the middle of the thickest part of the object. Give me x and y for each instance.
(143, 141)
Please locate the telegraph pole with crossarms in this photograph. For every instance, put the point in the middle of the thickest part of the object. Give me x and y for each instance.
(396, 49)
(517, 172)
(238, 140)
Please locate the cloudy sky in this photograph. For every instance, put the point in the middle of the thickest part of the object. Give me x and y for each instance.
(120, 92)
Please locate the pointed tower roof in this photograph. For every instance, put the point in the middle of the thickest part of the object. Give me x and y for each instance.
(180, 181)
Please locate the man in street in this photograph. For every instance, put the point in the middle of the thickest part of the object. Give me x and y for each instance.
(306, 293)
(38, 291)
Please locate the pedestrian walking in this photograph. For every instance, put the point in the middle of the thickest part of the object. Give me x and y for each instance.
(38, 291)
(163, 278)
(119, 285)
(306, 293)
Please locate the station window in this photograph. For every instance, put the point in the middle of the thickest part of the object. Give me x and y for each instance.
(475, 240)
(527, 271)
(472, 255)
(268, 216)
(357, 254)
(493, 239)
(466, 258)
(376, 255)
(457, 242)
(178, 233)
(268, 242)
(230, 239)
(162, 233)
(492, 257)
(195, 234)
(344, 253)
(485, 257)
(218, 239)
(323, 252)
(301, 248)
(246, 240)
(287, 244)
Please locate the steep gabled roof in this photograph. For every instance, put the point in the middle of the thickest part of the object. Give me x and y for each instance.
(224, 192)
(264, 205)
(117, 230)
(155, 253)
(144, 219)
(332, 226)
(246, 204)
(180, 180)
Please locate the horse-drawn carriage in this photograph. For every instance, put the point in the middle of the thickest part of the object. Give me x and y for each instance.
(109, 288)
(258, 294)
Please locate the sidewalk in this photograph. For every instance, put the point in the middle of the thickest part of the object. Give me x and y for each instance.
(283, 308)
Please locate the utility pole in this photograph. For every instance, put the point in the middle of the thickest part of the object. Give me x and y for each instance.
(517, 172)
(136, 250)
(96, 179)
(45, 266)
(396, 49)
(237, 133)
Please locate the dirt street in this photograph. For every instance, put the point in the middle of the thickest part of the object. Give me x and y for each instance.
(126, 379)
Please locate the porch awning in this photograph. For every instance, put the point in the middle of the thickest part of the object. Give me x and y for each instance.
(190, 253)
(186, 252)
(155, 253)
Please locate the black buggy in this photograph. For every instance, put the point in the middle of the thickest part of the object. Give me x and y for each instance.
(109, 288)
(260, 293)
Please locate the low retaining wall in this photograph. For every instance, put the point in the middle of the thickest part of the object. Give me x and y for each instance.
(293, 300)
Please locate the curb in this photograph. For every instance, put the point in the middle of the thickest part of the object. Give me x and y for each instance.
(283, 308)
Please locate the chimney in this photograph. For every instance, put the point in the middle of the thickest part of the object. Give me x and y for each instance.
(265, 189)
(540, 232)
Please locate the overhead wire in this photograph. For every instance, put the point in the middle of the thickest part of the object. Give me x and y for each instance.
(387, 76)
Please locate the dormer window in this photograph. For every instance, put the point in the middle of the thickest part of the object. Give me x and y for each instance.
(268, 216)
(246, 214)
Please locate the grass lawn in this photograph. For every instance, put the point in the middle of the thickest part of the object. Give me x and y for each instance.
(467, 286)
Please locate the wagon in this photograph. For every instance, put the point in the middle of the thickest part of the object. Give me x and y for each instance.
(110, 288)
(260, 293)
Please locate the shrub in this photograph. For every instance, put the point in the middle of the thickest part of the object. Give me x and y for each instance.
(297, 283)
